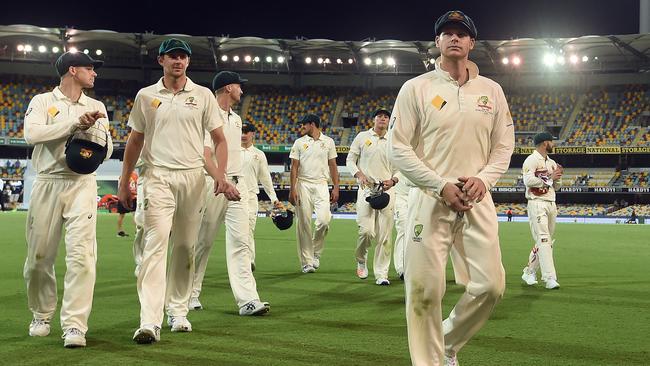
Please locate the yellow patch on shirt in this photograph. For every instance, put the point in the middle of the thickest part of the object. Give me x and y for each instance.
(53, 112)
(368, 142)
(305, 146)
(156, 103)
(438, 102)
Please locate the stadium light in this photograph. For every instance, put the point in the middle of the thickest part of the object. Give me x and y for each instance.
(585, 58)
(256, 59)
(307, 60)
(42, 49)
(573, 59)
(379, 61)
(327, 61)
(98, 52)
(595, 57)
(390, 61)
(339, 61)
(505, 61)
(20, 48)
(247, 58)
(320, 60)
(73, 50)
(516, 61)
(235, 58)
(280, 59)
(28, 48)
(269, 59)
(86, 51)
(549, 60)
(367, 61)
(55, 49)
(560, 60)
(224, 58)
(350, 61)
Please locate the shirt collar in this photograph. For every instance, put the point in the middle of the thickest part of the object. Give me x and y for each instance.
(471, 67)
(375, 134)
(83, 99)
(189, 85)
(539, 156)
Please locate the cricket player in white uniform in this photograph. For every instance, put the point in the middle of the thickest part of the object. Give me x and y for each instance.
(234, 213)
(400, 194)
(367, 161)
(61, 199)
(169, 121)
(313, 163)
(542, 177)
(256, 170)
(451, 135)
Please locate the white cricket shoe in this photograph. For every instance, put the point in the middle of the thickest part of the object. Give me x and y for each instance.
(254, 308)
(382, 282)
(529, 278)
(179, 323)
(362, 270)
(552, 284)
(73, 338)
(308, 268)
(316, 263)
(39, 327)
(195, 304)
(451, 360)
(147, 334)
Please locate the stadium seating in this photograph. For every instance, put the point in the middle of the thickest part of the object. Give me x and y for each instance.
(533, 110)
(12, 169)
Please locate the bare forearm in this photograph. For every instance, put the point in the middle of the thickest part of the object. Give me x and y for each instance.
(131, 154)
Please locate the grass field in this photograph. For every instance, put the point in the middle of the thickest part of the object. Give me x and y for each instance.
(600, 316)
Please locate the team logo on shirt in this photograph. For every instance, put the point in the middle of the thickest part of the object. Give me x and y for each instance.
(53, 112)
(392, 123)
(191, 102)
(368, 142)
(156, 103)
(28, 111)
(417, 231)
(86, 153)
(483, 104)
(323, 146)
(305, 146)
(438, 102)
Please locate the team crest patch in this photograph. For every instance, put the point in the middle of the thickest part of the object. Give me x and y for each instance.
(28, 111)
(191, 102)
(305, 146)
(156, 103)
(85, 153)
(368, 142)
(323, 146)
(483, 104)
(417, 231)
(53, 112)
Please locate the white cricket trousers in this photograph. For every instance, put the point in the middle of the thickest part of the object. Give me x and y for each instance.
(253, 207)
(313, 197)
(234, 214)
(138, 218)
(401, 220)
(432, 229)
(172, 203)
(375, 225)
(541, 217)
(62, 201)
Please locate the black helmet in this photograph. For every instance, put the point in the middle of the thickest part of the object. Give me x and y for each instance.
(85, 150)
(282, 219)
(379, 201)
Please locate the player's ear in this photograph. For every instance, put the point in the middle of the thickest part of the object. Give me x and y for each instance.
(437, 41)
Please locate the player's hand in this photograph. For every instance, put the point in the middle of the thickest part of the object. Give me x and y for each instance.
(388, 184)
(220, 184)
(557, 173)
(293, 198)
(88, 119)
(474, 188)
(334, 197)
(231, 192)
(455, 198)
(279, 205)
(362, 179)
(124, 194)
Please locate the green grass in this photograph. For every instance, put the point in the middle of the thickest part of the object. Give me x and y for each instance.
(600, 316)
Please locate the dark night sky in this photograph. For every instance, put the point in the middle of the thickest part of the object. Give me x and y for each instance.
(338, 20)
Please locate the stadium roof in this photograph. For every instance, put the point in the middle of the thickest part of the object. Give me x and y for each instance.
(608, 54)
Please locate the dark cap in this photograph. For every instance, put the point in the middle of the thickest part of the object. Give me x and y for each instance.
(174, 44)
(310, 118)
(541, 137)
(381, 111)
(68, 59)
(224, 78)
(379, 202)
(458, 17)
(248, 127)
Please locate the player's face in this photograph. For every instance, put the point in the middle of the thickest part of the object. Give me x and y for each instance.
(247, 137)
(305, 128)
(84, 75)
(381, 121)
(549, 146)
(236, 92)
(454, 42)
(174, 64)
